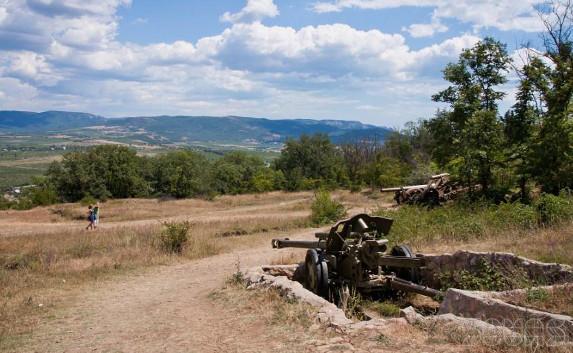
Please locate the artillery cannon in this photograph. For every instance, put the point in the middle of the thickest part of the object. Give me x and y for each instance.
(438, 189)
(353, 255)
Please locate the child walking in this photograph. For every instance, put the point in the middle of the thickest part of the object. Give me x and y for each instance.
(91, 218)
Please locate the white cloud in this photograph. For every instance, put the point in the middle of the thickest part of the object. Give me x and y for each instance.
(330, 50)
(255, 10)
(16, 93)
(36, 24)
(502, 14)
(419, 30)
(339, 5)
(75, 8)
(3, 14)
(30, 67)
(140, 21)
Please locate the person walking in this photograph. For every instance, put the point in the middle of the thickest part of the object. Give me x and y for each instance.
(91, 218)
(96, 215)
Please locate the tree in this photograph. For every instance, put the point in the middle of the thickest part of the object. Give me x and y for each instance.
(387, 172)
(467, 137)
(235, 173)
(101, 172)
(357, 156)
(310, 161)
(521, 126)
(552, 158)
(181, 174)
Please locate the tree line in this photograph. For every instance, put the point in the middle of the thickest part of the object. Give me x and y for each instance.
(307, 163)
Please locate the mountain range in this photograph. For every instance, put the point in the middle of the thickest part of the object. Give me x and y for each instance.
(181, 130)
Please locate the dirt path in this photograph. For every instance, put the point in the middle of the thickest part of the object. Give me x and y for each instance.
(164, 310)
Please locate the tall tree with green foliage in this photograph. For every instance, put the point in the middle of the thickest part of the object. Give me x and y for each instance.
(467, 137)
(552, 158)
(521, 126)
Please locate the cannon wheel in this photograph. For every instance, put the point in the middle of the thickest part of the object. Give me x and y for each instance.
(432, 198)
(409, 274)
(316, 274)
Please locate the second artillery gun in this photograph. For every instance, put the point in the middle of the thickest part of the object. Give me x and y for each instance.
(438, 189)
(353, 255)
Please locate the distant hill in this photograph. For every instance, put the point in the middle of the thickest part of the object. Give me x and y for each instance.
(186, 130)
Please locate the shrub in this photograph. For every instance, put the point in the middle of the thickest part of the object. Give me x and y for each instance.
(22, 204)
(88, 200)
(553, 209)
(5, 204)
(174, 236)
(43, 195)
(325, 209)
(356, 187)
(384, 308)
(518, 214)
(533, 295)
(486, 277)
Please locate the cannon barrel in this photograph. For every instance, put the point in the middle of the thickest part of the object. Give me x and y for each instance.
(303, 244)
(407, 286)
(390, 189)
(407, 187)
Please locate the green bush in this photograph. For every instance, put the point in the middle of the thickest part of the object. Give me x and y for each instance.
(174, 236)
(88, 200)
(486, 277)
(22, 204)
(325, 209)
(553, 209)
(5, 204)
(516, 213)
(384, 308)
(43, 195)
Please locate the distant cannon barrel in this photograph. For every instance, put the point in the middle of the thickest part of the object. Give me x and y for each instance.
(443, 175)
(302, 244)
(407, 187)
(390, 189)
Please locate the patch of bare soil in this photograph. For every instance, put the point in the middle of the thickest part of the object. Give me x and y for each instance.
(165, 310)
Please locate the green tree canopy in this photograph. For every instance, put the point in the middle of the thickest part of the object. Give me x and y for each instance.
(102, 172)
(181, 174)
(310, 160)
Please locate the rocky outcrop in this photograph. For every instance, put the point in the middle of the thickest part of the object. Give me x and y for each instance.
(436, 264)
(525, 321)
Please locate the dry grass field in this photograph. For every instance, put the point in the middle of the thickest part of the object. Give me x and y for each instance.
(46, 252)
(61, 285)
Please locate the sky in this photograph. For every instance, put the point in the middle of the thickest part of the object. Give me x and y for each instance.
(376, 61)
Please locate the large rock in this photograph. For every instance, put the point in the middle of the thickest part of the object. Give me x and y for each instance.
(525, 321)
(436, 264)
